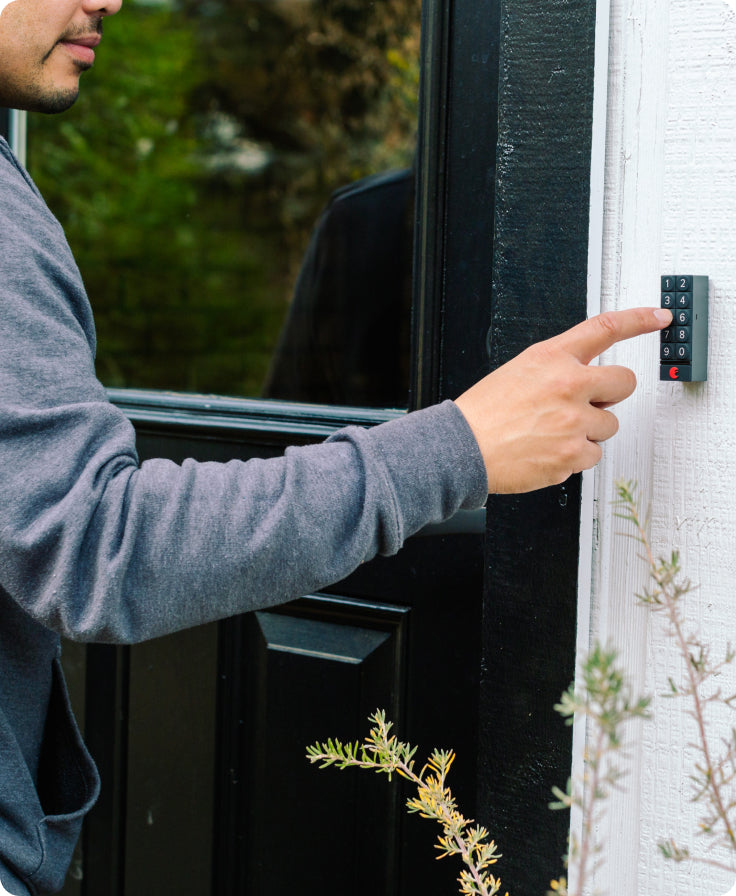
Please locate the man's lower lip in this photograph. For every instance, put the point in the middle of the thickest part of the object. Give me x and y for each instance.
(82, 53)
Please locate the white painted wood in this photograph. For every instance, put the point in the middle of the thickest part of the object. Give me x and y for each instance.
(670, 207)
(17, 135)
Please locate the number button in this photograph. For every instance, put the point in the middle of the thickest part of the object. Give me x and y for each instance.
(668, 284)
(667, 335)
(683, 284)
(667, 351)
(668, 300)
(682, 334)
(682, 317)
(684, 299)
(682, 352)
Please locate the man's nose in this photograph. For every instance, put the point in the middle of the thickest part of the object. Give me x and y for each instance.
(102, 7)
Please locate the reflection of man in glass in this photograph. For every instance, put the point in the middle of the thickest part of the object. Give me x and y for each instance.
(99, 547)
(346, 339)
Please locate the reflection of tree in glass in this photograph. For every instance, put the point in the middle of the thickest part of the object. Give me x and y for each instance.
(189, 178)
(327, 89)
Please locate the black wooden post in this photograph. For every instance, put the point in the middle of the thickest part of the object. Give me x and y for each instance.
(539, 288)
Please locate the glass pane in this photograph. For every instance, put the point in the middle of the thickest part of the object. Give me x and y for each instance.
(235, 181)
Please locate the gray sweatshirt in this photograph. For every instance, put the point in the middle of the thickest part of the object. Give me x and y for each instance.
(98, 547)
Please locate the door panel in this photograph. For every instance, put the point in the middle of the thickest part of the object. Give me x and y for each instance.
(321, 665)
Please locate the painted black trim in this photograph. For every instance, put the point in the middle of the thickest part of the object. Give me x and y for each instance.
(532, 542)
(456, 172)
(470, 193)
(245, 418)
(429, 261)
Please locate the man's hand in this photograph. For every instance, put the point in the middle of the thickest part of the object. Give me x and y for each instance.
(540, 417)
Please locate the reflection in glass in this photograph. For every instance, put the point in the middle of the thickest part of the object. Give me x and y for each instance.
(346, 335)
(202, 156)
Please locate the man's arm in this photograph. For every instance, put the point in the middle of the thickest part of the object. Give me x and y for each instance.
(100, 547)
(540, 417)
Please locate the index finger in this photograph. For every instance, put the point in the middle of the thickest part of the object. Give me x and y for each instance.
(590, 338)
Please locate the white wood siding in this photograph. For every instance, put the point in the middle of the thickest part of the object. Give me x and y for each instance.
(669, 207)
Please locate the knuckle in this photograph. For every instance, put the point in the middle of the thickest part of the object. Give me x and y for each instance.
(569, 456)
(571, 420)
(570, 384)
(541, 352)
(608, 323)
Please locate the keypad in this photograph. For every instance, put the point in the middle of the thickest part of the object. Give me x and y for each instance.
(683, 351)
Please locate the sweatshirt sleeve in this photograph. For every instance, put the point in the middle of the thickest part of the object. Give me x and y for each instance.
(99, 547)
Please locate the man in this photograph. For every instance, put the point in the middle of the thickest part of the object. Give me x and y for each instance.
(96, 546)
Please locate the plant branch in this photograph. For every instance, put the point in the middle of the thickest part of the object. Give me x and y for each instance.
(665, 597)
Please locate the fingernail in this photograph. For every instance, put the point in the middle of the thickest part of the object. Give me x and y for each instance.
(663, 315)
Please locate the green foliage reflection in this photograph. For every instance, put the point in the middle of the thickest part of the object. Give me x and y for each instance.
(191, 170)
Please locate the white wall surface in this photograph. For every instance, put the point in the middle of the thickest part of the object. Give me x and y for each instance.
(669, 207)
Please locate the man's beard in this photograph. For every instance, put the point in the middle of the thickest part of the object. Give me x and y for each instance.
(54, 102)
(38, 99)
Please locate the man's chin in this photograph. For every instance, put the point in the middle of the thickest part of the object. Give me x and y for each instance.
(54, 102)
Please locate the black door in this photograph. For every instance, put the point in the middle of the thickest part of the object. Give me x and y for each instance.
(466, 638)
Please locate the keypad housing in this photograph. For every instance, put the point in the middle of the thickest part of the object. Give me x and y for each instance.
(683, 350)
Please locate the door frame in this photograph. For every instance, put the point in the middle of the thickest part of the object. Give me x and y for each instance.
(533, 562)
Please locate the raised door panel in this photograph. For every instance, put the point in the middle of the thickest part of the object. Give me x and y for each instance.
(314, 670)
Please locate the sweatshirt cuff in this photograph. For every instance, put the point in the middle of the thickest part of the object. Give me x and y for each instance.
(434, 464)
